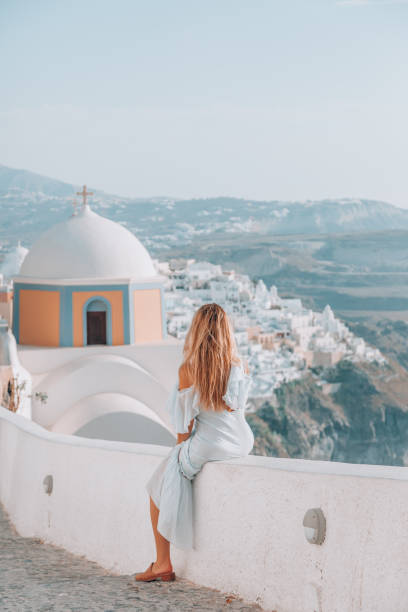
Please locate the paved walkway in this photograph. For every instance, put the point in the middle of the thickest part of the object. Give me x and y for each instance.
(40, 577)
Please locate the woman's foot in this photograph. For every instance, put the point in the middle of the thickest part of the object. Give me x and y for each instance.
(156, 572)
(160, 568)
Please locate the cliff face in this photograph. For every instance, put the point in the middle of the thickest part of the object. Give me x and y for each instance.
(359, 416)
(390, 336)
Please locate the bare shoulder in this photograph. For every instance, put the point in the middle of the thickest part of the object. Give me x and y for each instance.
(184, 377)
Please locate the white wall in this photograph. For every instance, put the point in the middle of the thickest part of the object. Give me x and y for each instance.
(93, 407)
(71, 376)
(154, 357)
(248, 524)
(110, 416)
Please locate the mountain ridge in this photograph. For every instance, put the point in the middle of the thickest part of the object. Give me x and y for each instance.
(30, 203)
(13, 176)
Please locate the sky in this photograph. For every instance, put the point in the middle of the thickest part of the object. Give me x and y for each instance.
(275, 99)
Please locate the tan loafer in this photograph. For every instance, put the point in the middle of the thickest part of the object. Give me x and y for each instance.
(149, 576)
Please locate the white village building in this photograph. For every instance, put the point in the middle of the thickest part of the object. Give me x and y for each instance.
(279, 338)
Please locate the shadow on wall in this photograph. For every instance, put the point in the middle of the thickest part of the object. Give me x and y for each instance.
(93, 375)
(114, 416)
(126, 427)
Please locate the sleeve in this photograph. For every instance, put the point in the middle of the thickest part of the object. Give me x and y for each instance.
(182, 407)
(238, 386)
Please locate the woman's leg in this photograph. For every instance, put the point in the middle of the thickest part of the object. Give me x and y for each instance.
(163, 561)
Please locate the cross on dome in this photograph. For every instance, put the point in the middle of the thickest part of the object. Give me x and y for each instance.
(84, 193)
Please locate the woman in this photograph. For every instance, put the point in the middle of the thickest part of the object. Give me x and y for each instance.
(211, 397)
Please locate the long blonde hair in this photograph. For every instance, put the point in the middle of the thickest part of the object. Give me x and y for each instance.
(209, 352)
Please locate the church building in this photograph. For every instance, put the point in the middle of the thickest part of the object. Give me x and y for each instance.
(88, 281)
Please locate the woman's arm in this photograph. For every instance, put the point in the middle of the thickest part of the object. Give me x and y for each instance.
(184, 383)
(246, 368)
(240, 361)
(184, 436)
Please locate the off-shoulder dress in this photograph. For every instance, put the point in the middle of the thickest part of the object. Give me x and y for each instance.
(216, 436)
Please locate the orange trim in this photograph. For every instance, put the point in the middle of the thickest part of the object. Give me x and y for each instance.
(39, 317)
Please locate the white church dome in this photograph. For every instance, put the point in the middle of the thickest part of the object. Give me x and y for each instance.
(87, 245)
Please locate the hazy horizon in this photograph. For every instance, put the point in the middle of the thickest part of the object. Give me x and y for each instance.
(275, 100)
(198, 197)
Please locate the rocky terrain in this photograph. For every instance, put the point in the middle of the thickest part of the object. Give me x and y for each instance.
(359, 416)
(391, 337)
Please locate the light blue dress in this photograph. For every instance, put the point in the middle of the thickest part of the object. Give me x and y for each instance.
(216, 436)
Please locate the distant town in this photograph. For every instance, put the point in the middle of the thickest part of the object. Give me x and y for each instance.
(280, 339)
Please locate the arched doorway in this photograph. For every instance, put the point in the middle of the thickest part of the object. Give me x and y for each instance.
(97, 322)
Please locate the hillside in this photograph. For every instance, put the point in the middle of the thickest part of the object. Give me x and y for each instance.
(364, 419)
(356, 273)
(390, 337)
(348, 253)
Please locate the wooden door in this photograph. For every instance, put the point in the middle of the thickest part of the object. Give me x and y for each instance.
(96, 327)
